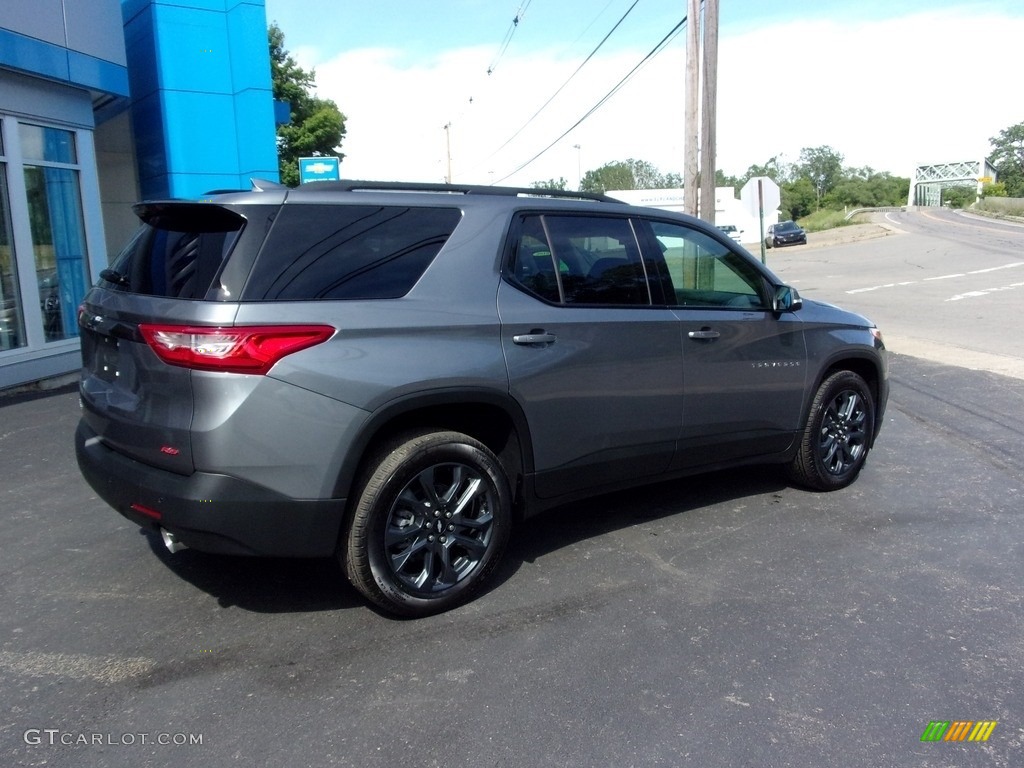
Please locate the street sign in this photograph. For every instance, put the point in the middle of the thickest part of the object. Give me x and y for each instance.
(319, 169)
(985, 179)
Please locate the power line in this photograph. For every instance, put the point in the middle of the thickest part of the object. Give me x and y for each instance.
(615, 89)
(508, 35)
(563, 85)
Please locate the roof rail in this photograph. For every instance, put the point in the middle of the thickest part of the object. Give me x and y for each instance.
(349, 185)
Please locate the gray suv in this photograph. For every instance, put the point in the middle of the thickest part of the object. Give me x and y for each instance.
(396, 374)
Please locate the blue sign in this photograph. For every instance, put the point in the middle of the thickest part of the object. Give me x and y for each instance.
(319, 169)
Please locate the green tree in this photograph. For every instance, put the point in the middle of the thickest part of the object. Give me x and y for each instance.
(1008, 158)
(627, 174)
(959, 197)
(798, 198)
(864, 188)
(559, 183)
(823, 166)
(773, 169)
(317, 126)
(609, 176)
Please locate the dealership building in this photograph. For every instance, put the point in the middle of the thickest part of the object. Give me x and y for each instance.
(103, 103)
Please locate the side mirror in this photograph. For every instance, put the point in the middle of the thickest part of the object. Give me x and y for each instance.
(786, 299)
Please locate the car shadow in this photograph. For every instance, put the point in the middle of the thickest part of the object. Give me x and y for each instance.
(293, 585)
(572, 523)
(261, 584)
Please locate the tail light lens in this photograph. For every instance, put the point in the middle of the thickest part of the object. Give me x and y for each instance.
(242, 349)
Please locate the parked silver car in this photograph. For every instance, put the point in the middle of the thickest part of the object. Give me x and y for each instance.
(396, 374)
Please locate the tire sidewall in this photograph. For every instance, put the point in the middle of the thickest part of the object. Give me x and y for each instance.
(381, 492)
(844, 381)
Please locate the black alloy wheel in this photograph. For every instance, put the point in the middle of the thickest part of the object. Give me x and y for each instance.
(430, 523)
(837, 436)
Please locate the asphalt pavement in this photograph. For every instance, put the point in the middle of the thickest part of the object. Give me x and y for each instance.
(724, 620)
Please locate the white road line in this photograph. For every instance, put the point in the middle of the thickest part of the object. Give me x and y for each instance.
(879, 287)
(945, 277)
(985, 292)
(994, 269)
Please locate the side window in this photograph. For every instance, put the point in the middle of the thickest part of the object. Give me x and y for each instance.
(348, 251)
(705, 273)
(580, 260)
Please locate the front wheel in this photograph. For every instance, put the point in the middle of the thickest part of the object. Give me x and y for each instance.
(837, 436)
(430, 523)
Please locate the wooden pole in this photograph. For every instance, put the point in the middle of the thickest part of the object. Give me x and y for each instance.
(691, 85)
(709, 109)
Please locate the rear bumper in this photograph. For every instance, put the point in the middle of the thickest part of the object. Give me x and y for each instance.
(209, 512)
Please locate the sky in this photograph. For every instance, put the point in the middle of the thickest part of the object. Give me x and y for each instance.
(425, 83)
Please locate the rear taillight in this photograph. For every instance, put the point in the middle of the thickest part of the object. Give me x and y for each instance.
(241, 349)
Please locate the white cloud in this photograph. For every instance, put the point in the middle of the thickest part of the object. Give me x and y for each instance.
(887, 94)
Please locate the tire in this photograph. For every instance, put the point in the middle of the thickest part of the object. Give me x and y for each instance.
(837, 436)
(430, 523)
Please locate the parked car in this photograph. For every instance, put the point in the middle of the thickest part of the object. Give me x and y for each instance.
(784, 233)
(396, 374)
(732, 231)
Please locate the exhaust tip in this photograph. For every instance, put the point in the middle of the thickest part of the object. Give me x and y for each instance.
(171, 541)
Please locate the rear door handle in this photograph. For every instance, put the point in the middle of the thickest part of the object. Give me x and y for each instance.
(704, 333)
(535, 338)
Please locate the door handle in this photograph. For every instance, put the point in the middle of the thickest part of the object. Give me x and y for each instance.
(704, 333)
(535, 338)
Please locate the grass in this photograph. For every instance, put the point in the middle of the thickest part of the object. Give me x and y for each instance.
(822, 220)
(1006, 206)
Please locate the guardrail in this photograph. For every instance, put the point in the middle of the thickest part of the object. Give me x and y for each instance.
(881, 209)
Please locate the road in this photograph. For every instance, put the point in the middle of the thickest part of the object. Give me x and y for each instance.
(943, 285)
(727, 620)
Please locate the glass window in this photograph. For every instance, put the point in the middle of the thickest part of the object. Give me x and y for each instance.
(705, 273)
(177, 253)
(348, 251)
(581, 260)
(12, 324)
(58, 243)
(51, 145)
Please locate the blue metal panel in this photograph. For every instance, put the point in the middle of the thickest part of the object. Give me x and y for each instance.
(97, 74)
(212, 123)
(256, 140)
(33, 56)
(250, 61)
(193, 53)
(201, 132)
(57, 63)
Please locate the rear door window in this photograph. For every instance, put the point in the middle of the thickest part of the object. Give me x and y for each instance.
(348, 251)
(580, 259)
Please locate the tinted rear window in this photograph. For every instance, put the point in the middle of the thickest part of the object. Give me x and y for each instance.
(178, 251)
(348, 251)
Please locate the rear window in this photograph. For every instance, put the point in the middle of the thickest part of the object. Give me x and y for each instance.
(178, 251)
(348, 251)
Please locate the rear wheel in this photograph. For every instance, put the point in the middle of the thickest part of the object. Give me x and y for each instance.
(430, 523)
(837, 436)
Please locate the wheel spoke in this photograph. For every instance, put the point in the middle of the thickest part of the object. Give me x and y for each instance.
(472, 490)
(401, 556)
(843, 432)
(439, 529)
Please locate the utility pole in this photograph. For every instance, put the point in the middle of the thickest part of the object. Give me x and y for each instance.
(709, 109)
(691, 84)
